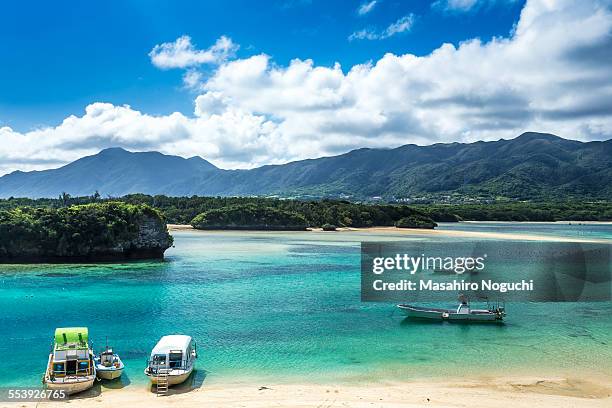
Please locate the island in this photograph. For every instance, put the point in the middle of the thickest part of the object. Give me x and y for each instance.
(415, 222)
(250, 217)
(106, 231)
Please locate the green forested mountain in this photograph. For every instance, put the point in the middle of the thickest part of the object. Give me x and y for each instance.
(533, 166)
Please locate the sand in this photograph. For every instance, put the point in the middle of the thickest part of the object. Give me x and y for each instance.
(179, 227)
(515, 392)
(477, 234)
(415, 232)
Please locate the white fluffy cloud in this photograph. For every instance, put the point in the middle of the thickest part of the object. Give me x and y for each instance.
(182, 53)
(402, 25)
(551, 74)
(460, 5)
(228, 136)
(463, 6)
(366, 7)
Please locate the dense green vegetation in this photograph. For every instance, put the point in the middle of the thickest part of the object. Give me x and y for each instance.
(415, 222)
(182, 210)
(328, 227)
(521, 211)
(249, 216)
(96, 231)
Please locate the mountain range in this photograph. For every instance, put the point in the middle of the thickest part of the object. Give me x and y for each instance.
(532, 166)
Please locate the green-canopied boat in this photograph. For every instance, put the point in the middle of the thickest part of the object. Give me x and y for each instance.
(71, 365)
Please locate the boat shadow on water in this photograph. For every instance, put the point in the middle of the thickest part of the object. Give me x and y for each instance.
(193, 382)
(117, 383)
(411, 321)
(92, 392)
(100, 386)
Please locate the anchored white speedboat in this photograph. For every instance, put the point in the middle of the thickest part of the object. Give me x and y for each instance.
(172, 361)
(70, 367)
(108, 365)
(463, 312)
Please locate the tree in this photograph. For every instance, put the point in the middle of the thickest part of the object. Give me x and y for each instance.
(64, 198)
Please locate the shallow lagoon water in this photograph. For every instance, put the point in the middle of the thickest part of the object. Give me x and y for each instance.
(284, 307)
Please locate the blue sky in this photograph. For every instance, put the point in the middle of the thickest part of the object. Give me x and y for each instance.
(243, 84)
(60, 56)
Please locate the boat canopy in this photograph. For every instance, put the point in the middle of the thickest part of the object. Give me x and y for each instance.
(68, 337)
(173, 342)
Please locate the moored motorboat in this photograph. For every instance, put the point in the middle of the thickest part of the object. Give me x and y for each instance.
(70, 367)
(463, 312)
(172, 361)
(108, 365)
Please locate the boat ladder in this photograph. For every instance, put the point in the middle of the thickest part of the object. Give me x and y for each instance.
(162, 382)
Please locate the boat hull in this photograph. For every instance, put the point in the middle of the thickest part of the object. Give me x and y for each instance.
(105, 374)
(450, 315)
(71, 387)
(173, 379)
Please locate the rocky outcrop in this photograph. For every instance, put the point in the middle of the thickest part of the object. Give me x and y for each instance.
(87, 233)
(416, 221)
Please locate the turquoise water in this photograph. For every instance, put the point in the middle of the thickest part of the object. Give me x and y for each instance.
(283, 307)
(559, 229)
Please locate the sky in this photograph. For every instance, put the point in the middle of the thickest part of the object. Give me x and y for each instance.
(243, 83)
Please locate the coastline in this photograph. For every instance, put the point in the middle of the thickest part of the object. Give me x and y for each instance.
(413, 231)
(480, 379)
(523, 391)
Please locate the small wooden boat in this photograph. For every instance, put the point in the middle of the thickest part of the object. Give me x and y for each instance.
(70, 367)
(108, 365)
(172, 361)
(463, 312)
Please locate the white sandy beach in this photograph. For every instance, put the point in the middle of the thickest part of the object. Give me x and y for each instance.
(515, 392)
(415, 232)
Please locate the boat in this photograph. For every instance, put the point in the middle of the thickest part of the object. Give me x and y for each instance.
(108, 365)
(172, 360)
(71, 365)
(463, 312)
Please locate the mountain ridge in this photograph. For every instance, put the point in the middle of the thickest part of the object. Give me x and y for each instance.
(529, 166)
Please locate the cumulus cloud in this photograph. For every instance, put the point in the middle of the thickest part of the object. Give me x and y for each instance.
(192, 79)
(550, 74)
(227, 136)
(182, 53)
(403, 24)
(365, 8)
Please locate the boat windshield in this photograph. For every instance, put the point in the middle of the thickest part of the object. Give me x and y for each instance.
(79, 354)
(176, 359)
(158, 360)
(107, 359)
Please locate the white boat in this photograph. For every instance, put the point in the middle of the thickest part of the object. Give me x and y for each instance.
(463, 312)
(172, 361)
(70, 366)
(108, 365)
